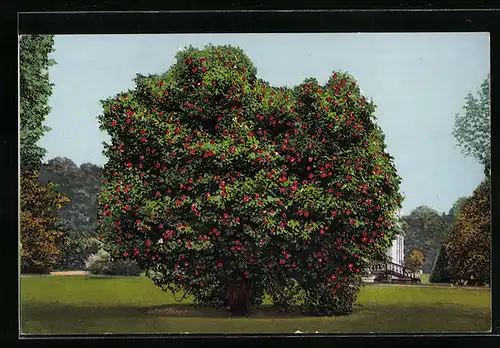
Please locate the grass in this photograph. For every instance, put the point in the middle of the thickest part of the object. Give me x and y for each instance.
(79, 304)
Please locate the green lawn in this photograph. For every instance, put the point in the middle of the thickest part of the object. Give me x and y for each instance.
(75, 305)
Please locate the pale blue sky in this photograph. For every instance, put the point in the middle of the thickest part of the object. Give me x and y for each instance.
(418, 82)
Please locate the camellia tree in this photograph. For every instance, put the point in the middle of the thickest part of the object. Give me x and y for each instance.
(215, 179)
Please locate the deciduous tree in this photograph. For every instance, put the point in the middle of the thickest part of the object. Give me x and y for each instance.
(426, 230)
(469, 246)
(472, 128)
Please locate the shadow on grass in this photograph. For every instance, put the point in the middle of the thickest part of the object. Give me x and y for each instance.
(63, 319)
(189, 310)
(417, 314)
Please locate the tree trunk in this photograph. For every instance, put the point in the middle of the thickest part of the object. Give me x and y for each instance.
(239, 294)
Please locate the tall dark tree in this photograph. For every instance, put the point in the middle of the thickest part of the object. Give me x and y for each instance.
(440, 271)
(426, 230)
(35, 90)
(472, 126)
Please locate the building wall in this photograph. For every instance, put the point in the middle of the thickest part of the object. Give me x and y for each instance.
(396, 252)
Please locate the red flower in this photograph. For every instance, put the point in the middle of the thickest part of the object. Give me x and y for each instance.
(219, 264)
(245, 273)
(125, 254)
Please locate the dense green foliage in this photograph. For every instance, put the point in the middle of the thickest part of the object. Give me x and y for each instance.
(472, 128)
(440, 272)
(215, 176)
(81, 185)
(35, 90)
(469, 246)
(426, 230)
(76, 248)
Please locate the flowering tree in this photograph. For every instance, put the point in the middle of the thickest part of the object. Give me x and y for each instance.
(215, 177)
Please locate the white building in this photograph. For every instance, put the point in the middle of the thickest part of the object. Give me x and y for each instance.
(396, 252)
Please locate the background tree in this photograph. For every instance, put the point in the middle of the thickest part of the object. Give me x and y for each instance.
(440, 272)
(426, 231)
(216, 179)
(35, 90)
(41, 237)
(469, 246)
(415, 260)
(472, 127)
(452, 216)
(41, 233)
(81, 185)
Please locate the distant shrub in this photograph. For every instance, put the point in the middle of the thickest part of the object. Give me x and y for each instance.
(77, 247)
(440, 272)
(102, 263)
(99, 263)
